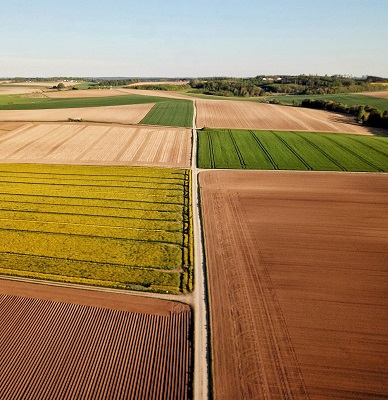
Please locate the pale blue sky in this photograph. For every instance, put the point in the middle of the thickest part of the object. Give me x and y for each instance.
(189, 38)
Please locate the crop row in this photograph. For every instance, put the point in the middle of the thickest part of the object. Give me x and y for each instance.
(52, 350)
(220, 148)
(90, 211)
(102, 203)
(98, 234)
(93, 172)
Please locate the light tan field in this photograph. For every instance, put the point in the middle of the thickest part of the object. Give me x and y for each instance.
(75, 94)
(96, 145)
(6, 127)
(157, 93)
(130, 114)
(298, 279)
(18, 90)
(250, 115)
(380, 94)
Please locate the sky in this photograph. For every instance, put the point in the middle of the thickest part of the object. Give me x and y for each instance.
(193, 38)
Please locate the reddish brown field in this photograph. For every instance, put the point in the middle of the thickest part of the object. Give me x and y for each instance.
(297, 268)
(74, 344)
(131, 114)
(250, 115)
(96, 144)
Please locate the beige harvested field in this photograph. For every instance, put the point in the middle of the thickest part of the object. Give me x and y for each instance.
(60, 343)
(75, 94)
(18, 90)
(131, 114)
(298, 280)
(73, 143)
(6, 127)
(380, 94)
(250, 115)
(157, 93)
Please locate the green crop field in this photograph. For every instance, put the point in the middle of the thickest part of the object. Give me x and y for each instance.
(221, 148)
(125, 227)
(171, 113)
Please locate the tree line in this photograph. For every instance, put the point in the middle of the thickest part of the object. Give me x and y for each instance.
(366, 115)
(284, 84)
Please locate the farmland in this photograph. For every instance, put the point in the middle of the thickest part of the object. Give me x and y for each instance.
(130, 114)
(168, 112)
(120, 227)
(96, 144)
(296, 265)
(65, 343)
(283, 150)
(250, 115)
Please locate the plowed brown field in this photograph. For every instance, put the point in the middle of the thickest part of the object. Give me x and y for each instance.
(131, 114)
(250, 115)
(51, 349)
(96, 144)
(297, 267)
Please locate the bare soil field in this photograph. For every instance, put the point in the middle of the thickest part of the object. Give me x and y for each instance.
(6, 127)
(157, 93)
(74, 143)
(18, 90)
(129, 114)
(75, 94)
(380, 94)
(250, 115)
(68, 343)
(297, 268)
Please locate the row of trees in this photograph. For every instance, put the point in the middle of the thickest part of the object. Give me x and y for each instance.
(366, 115)
(296, 85)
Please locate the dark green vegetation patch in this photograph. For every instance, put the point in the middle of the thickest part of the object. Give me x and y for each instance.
(125, 227)
(221, 148)
(171, 113)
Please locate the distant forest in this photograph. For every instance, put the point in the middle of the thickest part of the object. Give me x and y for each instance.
(285, 84)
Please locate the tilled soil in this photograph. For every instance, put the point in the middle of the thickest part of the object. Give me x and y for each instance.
(250, 115)
(297, 269)
(69, 343)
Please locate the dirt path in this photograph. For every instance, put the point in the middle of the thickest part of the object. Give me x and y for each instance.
(201, 328)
